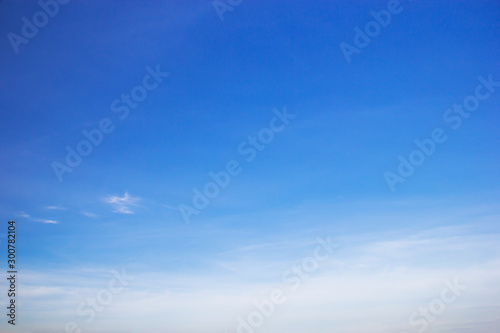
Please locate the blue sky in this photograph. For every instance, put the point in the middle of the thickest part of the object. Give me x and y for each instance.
(322, 175)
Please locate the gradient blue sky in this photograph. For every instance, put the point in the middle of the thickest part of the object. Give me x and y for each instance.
(321, 176)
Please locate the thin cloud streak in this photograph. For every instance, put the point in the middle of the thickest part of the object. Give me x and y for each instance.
(56, 208)
(122, 204)
(27, 216)
(88, 214)
(45, 221)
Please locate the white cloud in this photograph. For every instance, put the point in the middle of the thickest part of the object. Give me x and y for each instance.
(122, 204)
(27, 216)
(55, 207)
(372, 299)
(88, 214)
(45, 221)
(23, 214)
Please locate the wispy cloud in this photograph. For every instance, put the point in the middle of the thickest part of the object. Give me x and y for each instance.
(348, 286)
(45, 221)
(88, 214)
(56, 207)
(27, 216)
(122, 204)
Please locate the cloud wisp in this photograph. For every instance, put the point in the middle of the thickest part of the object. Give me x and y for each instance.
(55, 207)
(122, 204)
(27, 216)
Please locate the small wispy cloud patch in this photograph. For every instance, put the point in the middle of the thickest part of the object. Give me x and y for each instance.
(27, 216)
(45, 221)
(91, 215)
(122, 204)
(55, 207)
